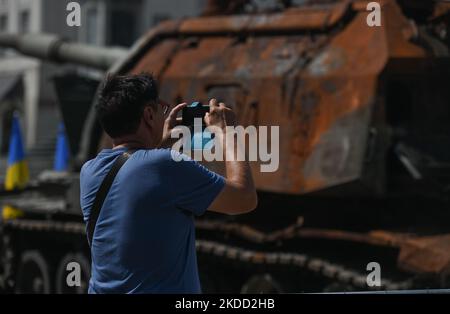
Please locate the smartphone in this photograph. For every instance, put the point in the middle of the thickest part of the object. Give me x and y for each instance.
(193, 111)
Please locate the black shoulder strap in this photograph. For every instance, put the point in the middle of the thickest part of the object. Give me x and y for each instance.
(102, 192)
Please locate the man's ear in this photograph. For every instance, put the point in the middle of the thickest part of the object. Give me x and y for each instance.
(149, 115)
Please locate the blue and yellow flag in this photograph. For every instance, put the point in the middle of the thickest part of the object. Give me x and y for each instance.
(17, 173)
(61, 162)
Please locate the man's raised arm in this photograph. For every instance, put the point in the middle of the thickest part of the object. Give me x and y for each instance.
(239, 194)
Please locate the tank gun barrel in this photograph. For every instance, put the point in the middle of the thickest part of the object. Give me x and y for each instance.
(53, 48)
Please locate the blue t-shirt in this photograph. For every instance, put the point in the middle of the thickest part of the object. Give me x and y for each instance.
(144, 240)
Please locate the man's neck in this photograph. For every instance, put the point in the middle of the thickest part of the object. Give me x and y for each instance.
(130, 144)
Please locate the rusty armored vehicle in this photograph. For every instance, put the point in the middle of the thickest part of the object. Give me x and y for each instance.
(364, 150)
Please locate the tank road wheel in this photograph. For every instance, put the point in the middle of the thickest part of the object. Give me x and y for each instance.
(65, 273)
(264, 284)
(33, 275)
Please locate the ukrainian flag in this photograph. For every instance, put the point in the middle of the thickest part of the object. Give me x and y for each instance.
(61, 162)
(17, 173)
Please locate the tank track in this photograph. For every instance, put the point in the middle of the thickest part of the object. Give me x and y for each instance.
(311, 264)
(45, 225)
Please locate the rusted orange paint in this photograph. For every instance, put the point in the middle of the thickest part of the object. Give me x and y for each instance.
(314, 87)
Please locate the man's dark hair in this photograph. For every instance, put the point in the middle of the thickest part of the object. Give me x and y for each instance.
(122, 100)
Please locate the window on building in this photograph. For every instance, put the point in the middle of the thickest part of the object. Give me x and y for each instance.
(3, 28)
(24, 23)
(123, 28)
(3, 23)
(92, 25)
